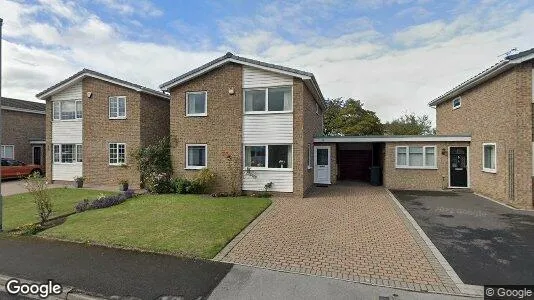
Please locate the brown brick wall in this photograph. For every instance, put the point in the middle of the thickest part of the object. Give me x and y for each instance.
(221, 129)
(419, 179)
(19, 128)
(498, 111)
(154, 119)
(99, 131)
(306, 125)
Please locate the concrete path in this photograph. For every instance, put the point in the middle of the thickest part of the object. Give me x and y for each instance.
(485, 242)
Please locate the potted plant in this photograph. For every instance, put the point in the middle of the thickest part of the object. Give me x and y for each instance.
(78, 181)
(282, 163)
(123, 185)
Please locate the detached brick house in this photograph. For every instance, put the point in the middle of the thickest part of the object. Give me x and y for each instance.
(94, 121)
(248, 121)
(23, 130)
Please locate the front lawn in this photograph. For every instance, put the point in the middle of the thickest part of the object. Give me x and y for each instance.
(20, 209)
(185, 225)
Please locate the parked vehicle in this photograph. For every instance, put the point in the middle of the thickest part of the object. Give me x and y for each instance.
(16, 169)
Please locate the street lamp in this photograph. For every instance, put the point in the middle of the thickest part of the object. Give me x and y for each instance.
(1, 202)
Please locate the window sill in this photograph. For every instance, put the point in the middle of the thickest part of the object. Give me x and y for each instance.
(117, 165)
(456, 107)
(69, 120)
(492, 171)
(118, 118)
(195, 168)
(416, 168)
(269, 169)
(197, 115)
(268, 112)
(72, 163)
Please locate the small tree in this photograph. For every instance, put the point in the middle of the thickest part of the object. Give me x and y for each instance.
(37, 186)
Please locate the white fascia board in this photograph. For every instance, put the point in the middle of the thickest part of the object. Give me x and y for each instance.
(333, 139)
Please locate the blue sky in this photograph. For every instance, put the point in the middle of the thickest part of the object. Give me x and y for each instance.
(394, 55)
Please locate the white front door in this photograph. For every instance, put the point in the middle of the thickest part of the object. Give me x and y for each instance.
(322, 164)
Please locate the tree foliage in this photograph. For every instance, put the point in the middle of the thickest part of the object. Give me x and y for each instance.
(348, 117)
(409, 124)
(154, 162)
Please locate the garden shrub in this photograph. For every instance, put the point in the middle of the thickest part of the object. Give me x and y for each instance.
(181, 185)
(37, 186)
(160, 184)
(82, 205)
(104, 201)
(152, 161)
(203, 181)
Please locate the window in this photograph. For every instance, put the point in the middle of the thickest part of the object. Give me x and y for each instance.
(196, 103)
(117, 107)
(273, 99)
(117, 153)
(456, 103)
(310, 156)
(417, 157)
(269, 156)
(8, 151)
(489, 159)
(67, 110)
(196, 156)
(67, 153)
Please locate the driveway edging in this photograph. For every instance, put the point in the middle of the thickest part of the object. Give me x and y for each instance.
(222, 254)
(467, 289)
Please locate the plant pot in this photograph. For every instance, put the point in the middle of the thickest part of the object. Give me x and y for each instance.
(124, 187)
(78, 184)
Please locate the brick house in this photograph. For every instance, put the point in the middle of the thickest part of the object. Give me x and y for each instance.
(248, 121)
(23, 130)
(95, 121)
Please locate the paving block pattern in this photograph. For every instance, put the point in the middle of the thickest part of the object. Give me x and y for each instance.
(347, 231)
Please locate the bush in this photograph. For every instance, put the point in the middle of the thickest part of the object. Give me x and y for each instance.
(37, 186)
(153, 160)
(203, 181)
(104, 201)
(160, 184)
(181, 185)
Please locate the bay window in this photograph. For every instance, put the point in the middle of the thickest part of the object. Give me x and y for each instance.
(269, 156)
(272, 99)
(415, 157)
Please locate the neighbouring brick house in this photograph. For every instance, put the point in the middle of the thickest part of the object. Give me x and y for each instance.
(495, 109)
(23, 130)
(263, 116)
(95, 121)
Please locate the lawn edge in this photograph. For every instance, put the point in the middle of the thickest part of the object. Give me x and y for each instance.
(239, 236)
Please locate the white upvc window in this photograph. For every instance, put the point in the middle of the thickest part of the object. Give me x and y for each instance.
(117, 107)
(67, 153)
(196, 104)
(489, 157)
(268, 100)
(117, 154)
(8, 151)
(196, 156)
(268, 156)
(67, 110)
(415, 157)
(456, 102)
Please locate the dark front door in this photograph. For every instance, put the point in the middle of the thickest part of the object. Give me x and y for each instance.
(458, 167)
(37, 156)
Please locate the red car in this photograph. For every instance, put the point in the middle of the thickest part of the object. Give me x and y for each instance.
(16, 169)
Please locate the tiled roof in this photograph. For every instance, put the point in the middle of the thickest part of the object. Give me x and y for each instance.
(23, 104)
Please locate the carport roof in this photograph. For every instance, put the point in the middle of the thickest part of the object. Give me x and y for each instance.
(392, 138)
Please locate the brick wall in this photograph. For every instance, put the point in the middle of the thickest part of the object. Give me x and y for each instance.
(498, 111)
(419, 179)
(99, 131)
(18, 128)
(221, 129)
(154, 119)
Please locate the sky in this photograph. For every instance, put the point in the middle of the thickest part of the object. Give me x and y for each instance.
(393, 55)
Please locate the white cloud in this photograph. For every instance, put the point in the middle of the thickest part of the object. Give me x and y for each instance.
(132, 7)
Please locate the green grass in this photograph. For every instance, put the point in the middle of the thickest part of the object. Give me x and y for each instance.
(184, 225)
(20, 209)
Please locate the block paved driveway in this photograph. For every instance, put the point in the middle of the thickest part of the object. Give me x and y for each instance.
(484, 242)
(348, 231)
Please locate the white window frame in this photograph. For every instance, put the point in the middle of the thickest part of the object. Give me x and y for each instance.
(205, 113)
(117, 98)
(289, 169)
(109, 154)
(267, 111)
(4, 151)
(407, 166)
(76, 102)
(187, 166)
(74, 154)
(484, 169)
(459, 103)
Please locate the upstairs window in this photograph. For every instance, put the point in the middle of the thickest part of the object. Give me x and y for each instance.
(196, 104)
(273, 99)
(67, 110)
(117, 107)
(456, 103)
(416, 157)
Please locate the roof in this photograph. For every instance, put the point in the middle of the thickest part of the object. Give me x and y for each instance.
(308, 77)
(23, 105)
(498, 68)
(90, 73)
(392, 138)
